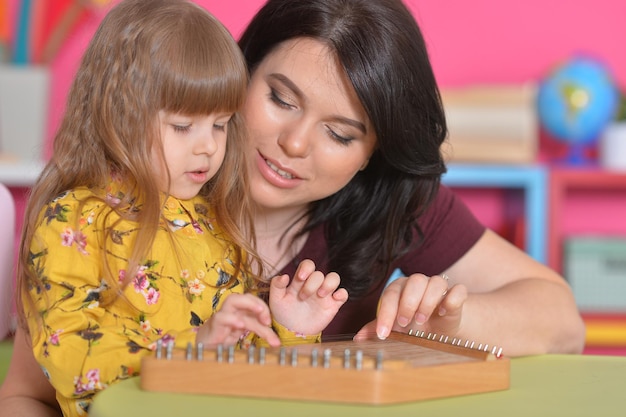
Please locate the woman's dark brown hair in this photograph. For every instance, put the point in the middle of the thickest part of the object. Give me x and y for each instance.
(371, 221)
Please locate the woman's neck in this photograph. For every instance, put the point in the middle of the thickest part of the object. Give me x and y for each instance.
(276, 240)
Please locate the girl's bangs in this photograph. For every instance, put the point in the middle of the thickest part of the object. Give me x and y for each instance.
(202, 76)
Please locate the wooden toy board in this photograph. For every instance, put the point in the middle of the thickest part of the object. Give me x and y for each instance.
(402, 368)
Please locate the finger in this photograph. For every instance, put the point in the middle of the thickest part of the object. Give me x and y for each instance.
(329, 285)
(341, 295)
(435, 292)
(388, 307)
(247, 304)
(229, 321)
(235, 302)
(311, 285)
(221, 328)
(305, 268)
(261, 330)
(453, 301)
(279, 283)
(366, 331)
(303, 272)
(411, 298)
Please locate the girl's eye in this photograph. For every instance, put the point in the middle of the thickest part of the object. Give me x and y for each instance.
(343, 140)
(220, 127)
(275, 97)
(181, 128)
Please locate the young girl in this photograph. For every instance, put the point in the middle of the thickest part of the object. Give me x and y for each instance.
(133, 230)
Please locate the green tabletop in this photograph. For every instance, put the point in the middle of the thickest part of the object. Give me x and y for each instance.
(545, 385)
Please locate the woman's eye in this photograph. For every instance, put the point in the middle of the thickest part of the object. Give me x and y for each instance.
(181, 128)
(275, 97)
(220, 127)
(344, 140)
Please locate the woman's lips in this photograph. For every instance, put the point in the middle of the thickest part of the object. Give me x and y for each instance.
(275, 175)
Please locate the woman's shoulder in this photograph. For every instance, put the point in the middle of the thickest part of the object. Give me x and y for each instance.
(447, 230)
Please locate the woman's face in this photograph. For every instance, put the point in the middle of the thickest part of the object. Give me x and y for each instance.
(309, 134)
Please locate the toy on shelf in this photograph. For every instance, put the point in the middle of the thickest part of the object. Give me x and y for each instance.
(491, 123)
(575, 102)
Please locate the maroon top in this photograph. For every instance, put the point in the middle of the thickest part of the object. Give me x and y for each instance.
(449, 229)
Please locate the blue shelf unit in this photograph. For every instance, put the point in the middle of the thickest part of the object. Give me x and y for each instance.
(531, 179)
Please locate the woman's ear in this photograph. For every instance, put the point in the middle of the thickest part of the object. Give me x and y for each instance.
(367, 161)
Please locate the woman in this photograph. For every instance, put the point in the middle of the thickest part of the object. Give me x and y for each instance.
(345, 123)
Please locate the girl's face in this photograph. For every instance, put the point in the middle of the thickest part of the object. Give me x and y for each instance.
(193, 148)
(309, 134)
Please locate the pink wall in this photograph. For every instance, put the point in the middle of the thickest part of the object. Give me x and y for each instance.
(478, 41)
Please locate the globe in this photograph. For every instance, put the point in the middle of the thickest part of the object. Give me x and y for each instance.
(577, 100)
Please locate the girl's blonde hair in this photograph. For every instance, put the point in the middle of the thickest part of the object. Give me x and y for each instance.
(146, 56)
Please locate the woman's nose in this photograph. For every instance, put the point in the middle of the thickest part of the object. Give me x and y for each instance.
(295, 140)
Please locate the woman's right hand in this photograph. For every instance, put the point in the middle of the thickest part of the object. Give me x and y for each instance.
(239, 315)
(419, 302)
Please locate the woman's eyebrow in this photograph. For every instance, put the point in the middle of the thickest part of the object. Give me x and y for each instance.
(281, 78)
(296, 90)
(351, 122)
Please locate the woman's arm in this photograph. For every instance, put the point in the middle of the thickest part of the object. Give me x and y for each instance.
(527, 306)
(498, 295)
(26, 391)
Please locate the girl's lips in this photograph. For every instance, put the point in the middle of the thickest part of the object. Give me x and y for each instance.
(200, 176)
(275, 175)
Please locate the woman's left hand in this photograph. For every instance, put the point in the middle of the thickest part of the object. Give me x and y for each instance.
(418, 302)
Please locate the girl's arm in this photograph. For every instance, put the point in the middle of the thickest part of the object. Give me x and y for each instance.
(25, 390)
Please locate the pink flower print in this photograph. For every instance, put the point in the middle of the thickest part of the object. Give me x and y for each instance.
(195, 287)
(81, 242)
(92, 383)
(184, 274)
(93, 375)
(196, 227)
(121, 276)
(67, 237)
(112, 200)
(165, 341)
(152, 296)
(141, 282)
(54, 338)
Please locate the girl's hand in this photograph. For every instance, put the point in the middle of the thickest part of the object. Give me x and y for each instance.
(239, 315)
(309, 303)
(418, 303)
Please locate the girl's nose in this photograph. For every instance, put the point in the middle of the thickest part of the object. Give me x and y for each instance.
(207, 145)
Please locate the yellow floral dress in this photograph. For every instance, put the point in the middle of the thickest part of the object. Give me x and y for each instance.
(83, 346)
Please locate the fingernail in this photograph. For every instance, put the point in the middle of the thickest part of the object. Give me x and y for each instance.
(382, 333)
(403, 321)
(420, 318)
(442, 311)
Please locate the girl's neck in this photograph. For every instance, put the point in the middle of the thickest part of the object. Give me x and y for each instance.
(276, 232)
